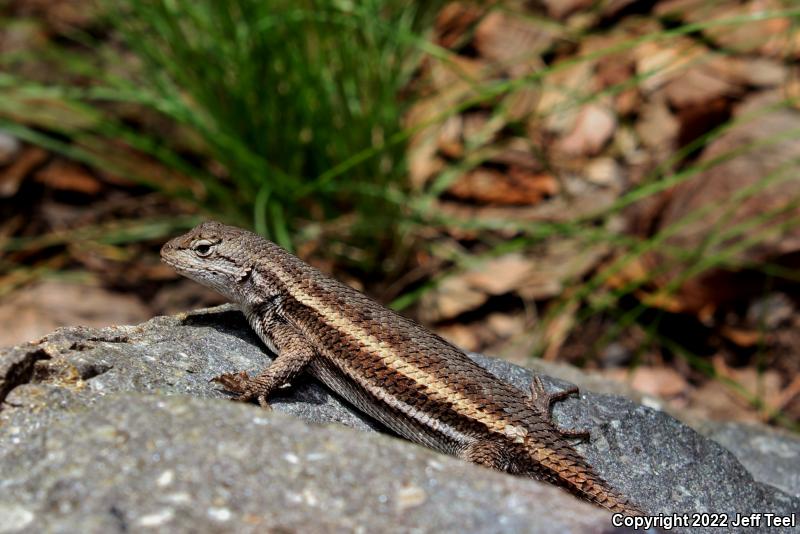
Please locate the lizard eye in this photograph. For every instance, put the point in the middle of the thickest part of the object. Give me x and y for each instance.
(203, 248)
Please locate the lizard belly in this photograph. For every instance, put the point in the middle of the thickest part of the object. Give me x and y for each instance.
(396, 415)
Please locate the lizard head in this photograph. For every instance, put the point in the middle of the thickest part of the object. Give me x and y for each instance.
(216, 255)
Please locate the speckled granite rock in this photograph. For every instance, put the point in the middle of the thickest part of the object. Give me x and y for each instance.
(115, 429)
(136, 462)
(772, 456)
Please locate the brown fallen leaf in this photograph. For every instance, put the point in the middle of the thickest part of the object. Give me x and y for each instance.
(12, 176)
(515, 187)
(517, 152)
(121, 161)
(770, 36)
(604, 171)
(659, 62)
(500, 275)
(699, 84)
(461, 335)
(561, 9)
(661, 382)
(658, 128)
(513, 42)
(453, 21)
(759, 72)
(594, 127)
(451, 82)
(555, 111)
(66, 175)
(450, 141)
(539, 276)
(63, 15)
(451, 298)
(583, 199)
(709, 204)
(557, 329)
(522, 103)
(743, 338)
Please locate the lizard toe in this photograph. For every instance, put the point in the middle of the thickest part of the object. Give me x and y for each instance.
(262, 401)
(247, 396)
(234, 382)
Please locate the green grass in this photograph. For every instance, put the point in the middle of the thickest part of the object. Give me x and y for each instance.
(274, 94)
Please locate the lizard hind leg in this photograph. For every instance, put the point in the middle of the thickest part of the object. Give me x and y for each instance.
(542, 401)
(486, 453)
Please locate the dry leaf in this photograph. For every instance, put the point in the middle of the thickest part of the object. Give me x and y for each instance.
(743, 338)
(604, 171)
(561, 9)
(582, 199)
(500, 275)
(452, 297)
(658, 128)
(560, 90)
(558, 262)
(460, 335)
(12, 176)
(516, 187)
(454, 20)
(699, 84)
(451, 138)
(517, 152)
(714, 193)
(505, 325)
(68, 176)
(512, 41)
(661, 62)
(594, 127)
(658, 381)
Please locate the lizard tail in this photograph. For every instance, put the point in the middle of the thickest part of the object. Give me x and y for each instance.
(565, 468)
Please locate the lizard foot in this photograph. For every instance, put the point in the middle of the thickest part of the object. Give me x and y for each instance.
(542, 401)
(246, 387)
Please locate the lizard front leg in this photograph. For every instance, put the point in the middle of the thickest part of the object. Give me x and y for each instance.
(294, 353)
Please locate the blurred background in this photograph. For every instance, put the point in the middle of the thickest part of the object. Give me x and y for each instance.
(609, 183)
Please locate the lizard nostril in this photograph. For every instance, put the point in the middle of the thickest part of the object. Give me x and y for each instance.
(168, 246)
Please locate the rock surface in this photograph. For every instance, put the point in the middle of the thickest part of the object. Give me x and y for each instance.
(118, 429)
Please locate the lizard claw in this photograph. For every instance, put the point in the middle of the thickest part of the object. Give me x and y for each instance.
(262, 401)
(233, 382)
(249, 395)
(242, 384)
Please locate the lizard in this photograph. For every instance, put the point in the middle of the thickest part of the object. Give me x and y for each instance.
(394, 370)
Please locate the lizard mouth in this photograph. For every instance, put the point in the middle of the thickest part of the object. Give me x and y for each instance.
(172, 263)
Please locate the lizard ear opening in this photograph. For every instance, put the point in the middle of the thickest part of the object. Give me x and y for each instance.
(203, 247)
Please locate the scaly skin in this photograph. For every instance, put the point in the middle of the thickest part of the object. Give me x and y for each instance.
(391, 368)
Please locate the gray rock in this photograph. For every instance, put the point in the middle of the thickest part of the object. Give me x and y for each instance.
(136, 462)
(772, 456)
(119, 429)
